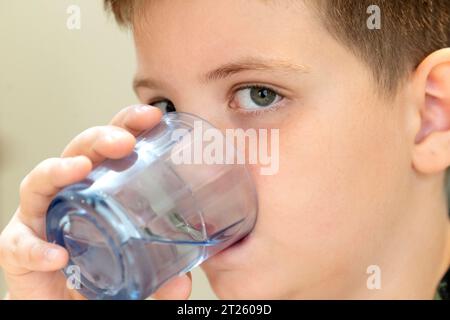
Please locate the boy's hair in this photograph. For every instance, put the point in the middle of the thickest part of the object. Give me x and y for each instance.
(410, 30)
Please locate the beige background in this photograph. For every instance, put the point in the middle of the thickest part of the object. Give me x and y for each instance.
(56, 82)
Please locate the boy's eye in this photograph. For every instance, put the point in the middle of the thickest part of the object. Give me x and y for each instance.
(255, 97)
(164, 105)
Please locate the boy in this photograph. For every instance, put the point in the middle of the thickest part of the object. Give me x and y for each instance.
(364, 120)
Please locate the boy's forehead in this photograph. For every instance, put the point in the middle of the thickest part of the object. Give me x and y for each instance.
(219, 31)
(190, 20)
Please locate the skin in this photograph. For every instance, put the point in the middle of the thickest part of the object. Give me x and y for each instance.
(361, 176)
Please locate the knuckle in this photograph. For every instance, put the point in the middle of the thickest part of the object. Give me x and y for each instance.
(10, 237)
(83, 137)
(48, 166)
(6, 246)
(94, 132)
(113, 128)
(17, 242)
(23, 187)
(93, 129)
(44, 168)
(54, 168)
(127, 109)
(33, 251)
(24, 248)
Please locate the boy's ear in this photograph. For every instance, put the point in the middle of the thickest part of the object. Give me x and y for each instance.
(431, 152)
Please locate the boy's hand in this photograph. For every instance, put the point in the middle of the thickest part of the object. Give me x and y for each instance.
(32, 265)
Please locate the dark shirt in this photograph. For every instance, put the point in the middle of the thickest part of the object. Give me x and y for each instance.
(443, 291)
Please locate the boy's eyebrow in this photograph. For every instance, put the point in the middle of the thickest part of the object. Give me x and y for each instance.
(226, 70)
(249, 64)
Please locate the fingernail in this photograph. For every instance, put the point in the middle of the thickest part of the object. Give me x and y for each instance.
(51, 253)
(142, 108)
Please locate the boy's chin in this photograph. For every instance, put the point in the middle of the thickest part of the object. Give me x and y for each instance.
(234, 274)
(239, 285)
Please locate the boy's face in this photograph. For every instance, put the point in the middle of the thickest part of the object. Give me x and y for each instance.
(344, 165)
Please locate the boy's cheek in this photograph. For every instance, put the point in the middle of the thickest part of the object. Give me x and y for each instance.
(332, 170)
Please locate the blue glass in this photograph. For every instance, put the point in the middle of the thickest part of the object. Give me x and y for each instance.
(136, 222)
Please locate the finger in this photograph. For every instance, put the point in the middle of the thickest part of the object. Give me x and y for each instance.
(178, 288)
(39, 187)
(137, 118)
(75, 295)
(99, 143)
(23, 252)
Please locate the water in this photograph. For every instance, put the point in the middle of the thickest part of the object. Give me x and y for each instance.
(140, 263)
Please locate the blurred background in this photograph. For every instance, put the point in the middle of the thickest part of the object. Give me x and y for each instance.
(54, 83)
